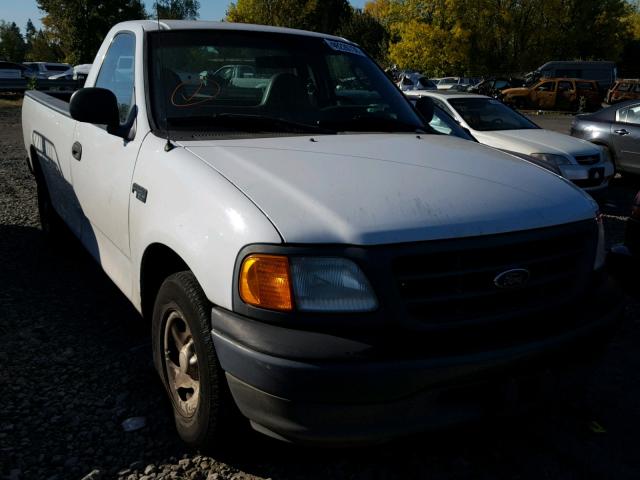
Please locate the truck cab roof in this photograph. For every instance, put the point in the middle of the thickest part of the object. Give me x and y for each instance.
(152, 26)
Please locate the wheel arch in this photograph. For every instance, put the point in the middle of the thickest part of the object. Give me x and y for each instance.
(158, 262)
(33, 162)
(609, 147)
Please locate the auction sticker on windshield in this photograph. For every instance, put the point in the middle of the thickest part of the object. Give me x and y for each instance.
(344, 47)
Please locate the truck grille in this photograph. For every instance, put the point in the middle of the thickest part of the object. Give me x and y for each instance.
(454, 283)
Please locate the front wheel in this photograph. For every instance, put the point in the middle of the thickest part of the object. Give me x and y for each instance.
(186, 360)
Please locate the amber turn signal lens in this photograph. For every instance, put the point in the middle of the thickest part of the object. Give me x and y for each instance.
(265, 282)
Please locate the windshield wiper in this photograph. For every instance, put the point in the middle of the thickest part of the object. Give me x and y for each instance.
(369, 123)
(247, 122)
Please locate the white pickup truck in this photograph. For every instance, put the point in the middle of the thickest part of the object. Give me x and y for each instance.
(310, 253)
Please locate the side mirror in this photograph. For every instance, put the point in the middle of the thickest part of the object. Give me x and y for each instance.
(95, 105)
(424, 106)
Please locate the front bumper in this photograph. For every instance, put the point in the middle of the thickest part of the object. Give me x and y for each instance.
(589, 177)
(337, 389)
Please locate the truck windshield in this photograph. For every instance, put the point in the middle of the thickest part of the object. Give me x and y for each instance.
(488, 114)
(244, 81)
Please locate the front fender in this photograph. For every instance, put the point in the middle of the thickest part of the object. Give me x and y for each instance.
(195, 211)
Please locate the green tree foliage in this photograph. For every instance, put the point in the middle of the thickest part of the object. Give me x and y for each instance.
(176, 9)
(442, 37)
(368, 32)
(41, 49)
(12, 47)
(29, 34)
(316, 15)
(79, 26)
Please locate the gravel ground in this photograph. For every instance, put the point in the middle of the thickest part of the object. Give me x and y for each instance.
(76, 363)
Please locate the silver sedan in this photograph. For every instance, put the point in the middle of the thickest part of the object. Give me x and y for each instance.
(617, 128)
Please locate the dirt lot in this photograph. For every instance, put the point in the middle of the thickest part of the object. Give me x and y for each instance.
(76, 362)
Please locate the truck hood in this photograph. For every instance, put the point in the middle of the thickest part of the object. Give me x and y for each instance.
(536, 140)
(515, 91)
(365, 189)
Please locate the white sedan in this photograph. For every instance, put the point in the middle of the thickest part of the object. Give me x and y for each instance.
(493, 123)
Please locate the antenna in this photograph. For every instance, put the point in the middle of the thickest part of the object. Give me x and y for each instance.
(168, 146)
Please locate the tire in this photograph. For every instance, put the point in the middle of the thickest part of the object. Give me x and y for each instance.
(203, 408)
(53, 227)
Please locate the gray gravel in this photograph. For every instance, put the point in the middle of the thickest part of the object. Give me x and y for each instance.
(75, 363)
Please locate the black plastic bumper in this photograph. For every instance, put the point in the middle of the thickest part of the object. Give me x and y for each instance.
(320, 388)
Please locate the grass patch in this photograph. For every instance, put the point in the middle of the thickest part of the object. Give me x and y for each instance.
(10, 101)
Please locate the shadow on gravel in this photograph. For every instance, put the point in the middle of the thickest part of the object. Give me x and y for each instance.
(77, 362)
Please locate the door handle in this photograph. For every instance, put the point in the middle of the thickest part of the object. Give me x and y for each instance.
(76, 151)
(622, 131)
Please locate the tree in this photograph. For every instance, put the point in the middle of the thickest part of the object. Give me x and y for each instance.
(12, 47)
(316, 15)
(176, 9)
(368, 32)
(41, 49)
(29, 34)
(79, 26)
(500, 36)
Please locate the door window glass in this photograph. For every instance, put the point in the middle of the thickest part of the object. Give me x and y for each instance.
(564, 86)
(117, 72)
(585, 86)
(546, 87)
(633, 115)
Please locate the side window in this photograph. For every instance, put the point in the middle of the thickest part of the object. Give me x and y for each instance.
(500, 84)
(621, 115)
(444, 107)
(585, 86)
(564, 86)
(546, 87)
(633, 115)
(624, 87)
(117, 72)
(439, 125)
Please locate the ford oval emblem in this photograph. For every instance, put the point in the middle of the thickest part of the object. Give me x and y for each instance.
(515, 278)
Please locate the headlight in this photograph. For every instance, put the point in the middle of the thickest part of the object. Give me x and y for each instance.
(313, 284)
(330, 285)
(552, 158)
(601, 253)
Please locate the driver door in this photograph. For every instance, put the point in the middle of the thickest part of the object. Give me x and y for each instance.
(626, 137)
(545, 94)
(102, 175)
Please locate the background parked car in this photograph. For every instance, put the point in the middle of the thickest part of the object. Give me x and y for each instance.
(447, 83)
(45, 69)
(415, 81)
(623, 89)
(555, 94)
(438, 119)
(618, 129)
(493, 123)
(603, 72)
(493, 86)
(10, 70)
(79, 72)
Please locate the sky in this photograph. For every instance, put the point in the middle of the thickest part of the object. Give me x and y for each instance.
(20, 11)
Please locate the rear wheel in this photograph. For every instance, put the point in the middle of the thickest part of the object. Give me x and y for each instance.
(185, 357)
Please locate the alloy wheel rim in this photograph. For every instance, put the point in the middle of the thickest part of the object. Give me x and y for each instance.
(181, 364)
